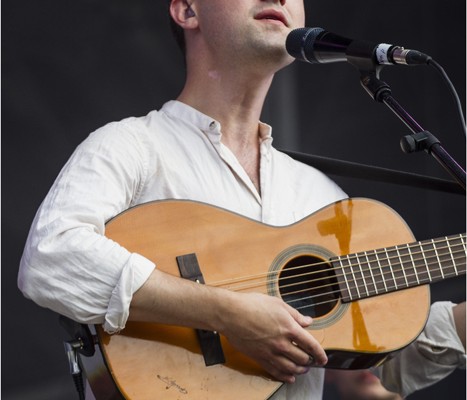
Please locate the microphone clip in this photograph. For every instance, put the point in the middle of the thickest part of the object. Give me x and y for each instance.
(376, 88)
(419, 141)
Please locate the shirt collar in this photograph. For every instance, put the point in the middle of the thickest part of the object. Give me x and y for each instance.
(183, 111)
(208, 125)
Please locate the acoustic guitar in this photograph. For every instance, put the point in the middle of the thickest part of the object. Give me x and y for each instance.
(353, 266)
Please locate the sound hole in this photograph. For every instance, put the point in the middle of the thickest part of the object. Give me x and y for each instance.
(309, 285)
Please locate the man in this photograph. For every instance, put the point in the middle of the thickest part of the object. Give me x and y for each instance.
(207, 146)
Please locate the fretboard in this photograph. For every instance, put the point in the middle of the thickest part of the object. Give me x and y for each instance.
(380, 271)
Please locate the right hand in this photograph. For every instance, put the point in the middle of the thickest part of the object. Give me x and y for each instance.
(271, 332)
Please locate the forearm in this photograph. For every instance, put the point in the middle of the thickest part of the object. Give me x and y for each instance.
(167, 299)
(260, 326)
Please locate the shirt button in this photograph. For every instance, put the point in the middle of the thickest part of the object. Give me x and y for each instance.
(212, 125)
(265, 153)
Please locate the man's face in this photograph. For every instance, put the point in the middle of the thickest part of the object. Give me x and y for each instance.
(250, 29)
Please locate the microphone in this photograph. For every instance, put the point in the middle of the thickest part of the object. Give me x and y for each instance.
(317, 46)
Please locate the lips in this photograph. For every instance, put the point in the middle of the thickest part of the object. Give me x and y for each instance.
(273, 15)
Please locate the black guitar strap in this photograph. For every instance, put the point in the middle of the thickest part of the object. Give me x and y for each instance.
(209, 341)
(368, 172)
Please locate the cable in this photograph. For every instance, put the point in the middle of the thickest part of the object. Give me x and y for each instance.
(79, 385)
(445, 76)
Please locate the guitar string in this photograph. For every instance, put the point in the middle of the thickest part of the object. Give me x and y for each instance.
(361, 272)
(354, 256)
(388, 290)
(363, 279)
(334, 300)
(241, 285)
(368, 292)
(337, 292)
(349, 258)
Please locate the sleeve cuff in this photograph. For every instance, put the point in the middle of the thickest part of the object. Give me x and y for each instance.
(435, 354)
(439, 341)
(135, 272)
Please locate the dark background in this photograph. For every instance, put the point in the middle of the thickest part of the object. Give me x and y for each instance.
(69, 67)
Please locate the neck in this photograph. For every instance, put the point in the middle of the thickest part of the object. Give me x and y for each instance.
(234, 97)
(231, 97)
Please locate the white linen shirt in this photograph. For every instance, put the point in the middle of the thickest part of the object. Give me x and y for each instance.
(175, 153)
(69, 266)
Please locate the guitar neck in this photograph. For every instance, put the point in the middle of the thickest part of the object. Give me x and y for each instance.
(370, 273)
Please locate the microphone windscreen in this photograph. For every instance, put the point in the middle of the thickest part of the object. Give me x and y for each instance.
(300, 40)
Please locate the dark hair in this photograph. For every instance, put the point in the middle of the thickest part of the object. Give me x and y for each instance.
(177, 31)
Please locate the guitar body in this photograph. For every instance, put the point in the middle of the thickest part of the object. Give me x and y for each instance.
(151, 361)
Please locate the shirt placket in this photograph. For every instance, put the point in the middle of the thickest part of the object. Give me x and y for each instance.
(267, 210)
(214, 134)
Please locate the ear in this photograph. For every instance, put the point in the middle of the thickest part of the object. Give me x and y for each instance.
(184, 14)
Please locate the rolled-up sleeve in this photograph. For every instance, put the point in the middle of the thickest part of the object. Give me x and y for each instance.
(135, 272)
(435, 354)
(68, 264)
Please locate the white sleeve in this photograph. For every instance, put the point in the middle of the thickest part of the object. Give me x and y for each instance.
(68, 265)
(436, 353)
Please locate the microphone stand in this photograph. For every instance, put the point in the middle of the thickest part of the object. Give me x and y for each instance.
(420, 139)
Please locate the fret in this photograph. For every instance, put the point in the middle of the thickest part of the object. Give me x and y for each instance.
(451, 252)
(388, 269)
(437, 257)
(398, 274)
(354, 278)
(451, 255)
(345, 286)
(457, 250)
(422, 265)
(362, 268)
(432, 262)
(412, 262)
(402, 266)
(381, 275)
(462, 237)
(369, 274)
(388, 273)
(446, 257)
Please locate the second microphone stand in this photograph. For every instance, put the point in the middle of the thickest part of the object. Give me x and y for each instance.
(420, 139)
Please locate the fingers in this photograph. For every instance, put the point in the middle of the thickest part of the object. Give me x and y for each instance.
(273, 333)
(308, 347)
(303, 320)
(285, 370)
(297, 355)
(306, 342)
(290, 360)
